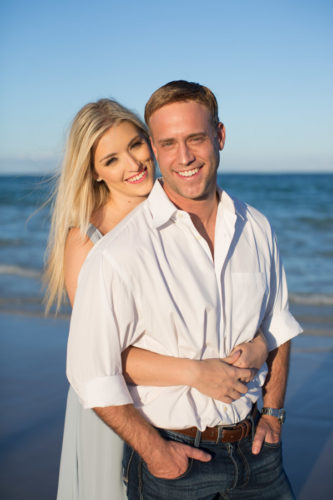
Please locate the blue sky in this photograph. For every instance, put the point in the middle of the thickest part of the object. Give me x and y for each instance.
(269, 64)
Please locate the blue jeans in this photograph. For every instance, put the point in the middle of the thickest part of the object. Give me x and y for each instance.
(233, 473)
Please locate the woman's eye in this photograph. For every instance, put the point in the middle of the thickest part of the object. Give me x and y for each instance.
(110, 161)
(137, 143)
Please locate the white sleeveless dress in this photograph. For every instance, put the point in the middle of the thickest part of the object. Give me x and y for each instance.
(90, 465)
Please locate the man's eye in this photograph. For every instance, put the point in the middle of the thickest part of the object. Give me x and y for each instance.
(197, 139)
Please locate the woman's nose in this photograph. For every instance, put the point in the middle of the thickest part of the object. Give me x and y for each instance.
(133, 162)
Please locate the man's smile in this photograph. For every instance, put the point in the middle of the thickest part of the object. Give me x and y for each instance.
(189, 173)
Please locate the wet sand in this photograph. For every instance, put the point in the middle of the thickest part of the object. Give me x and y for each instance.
(34, 388)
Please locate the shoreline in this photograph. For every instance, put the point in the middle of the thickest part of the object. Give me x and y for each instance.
(316, 319)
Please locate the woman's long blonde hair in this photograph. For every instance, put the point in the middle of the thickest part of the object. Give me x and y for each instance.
(77, 193)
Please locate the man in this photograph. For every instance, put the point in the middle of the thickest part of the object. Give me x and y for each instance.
(191, 273)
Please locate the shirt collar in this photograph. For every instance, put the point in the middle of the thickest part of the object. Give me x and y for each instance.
(160, 205)
(163, 210)
(231, 204)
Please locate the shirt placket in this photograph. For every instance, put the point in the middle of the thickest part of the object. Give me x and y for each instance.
(184, 219)
(185, 223)
(224, 233)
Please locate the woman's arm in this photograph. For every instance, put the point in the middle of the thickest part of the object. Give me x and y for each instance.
(216, 378)
(142, 367)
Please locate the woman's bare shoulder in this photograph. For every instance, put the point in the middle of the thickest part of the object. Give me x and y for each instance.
(77, 241)
(77, 245)
(76, 250)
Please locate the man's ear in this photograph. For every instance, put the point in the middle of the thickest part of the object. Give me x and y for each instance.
(221, 135)
(153, 146)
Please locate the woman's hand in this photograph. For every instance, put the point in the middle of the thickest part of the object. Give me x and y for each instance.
(221, 379)
(253, 354)
(216, 379)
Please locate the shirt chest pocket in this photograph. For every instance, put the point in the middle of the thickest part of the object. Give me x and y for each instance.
(247, 302)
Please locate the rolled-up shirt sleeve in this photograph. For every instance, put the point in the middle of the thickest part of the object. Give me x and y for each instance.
(278, 325)
(103, 323)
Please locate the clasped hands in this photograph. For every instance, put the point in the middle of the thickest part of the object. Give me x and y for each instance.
(225, 379)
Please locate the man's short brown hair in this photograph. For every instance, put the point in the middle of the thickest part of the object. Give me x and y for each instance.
(182, 91)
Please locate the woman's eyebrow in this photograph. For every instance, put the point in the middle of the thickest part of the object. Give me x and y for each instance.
(109, 155)
(135, 138)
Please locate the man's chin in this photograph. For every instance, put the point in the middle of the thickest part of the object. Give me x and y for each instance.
(200, 193)
(186, 191)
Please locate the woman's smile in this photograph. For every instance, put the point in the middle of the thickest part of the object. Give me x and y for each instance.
(139, 177)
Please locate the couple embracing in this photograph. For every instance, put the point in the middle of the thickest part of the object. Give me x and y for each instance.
(180, 298)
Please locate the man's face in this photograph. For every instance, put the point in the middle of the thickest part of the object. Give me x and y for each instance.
(186, 146)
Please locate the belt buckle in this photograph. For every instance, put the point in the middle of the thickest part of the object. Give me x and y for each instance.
(244, 428)
(219, 434)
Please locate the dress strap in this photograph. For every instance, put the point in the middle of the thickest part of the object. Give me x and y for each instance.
(93, 233)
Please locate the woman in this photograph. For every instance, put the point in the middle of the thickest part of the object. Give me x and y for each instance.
(108, 170)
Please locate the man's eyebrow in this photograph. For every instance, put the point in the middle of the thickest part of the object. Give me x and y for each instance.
(167, 139)
(197, 134)
(190, 136)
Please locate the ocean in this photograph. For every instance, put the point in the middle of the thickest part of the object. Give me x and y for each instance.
(33, 349)
(299, 206)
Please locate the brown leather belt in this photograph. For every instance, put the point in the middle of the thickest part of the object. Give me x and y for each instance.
(222, 434)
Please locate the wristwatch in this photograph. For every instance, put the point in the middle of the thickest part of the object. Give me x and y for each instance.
(279, 413)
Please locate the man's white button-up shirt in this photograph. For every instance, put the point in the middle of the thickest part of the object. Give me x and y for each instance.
(152, 283)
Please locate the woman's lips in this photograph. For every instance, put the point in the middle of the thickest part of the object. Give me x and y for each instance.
(135, 179)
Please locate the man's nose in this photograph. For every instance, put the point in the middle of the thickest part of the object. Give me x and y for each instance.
(185, 155)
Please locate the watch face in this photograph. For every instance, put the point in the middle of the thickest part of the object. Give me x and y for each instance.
(282, 416)
(279, 413)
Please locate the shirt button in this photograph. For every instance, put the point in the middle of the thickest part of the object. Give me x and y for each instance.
(225, 409)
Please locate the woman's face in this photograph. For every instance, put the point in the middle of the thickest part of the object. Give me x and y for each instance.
(124, 161)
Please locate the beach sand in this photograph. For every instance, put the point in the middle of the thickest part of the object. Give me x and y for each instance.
(34, 390)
